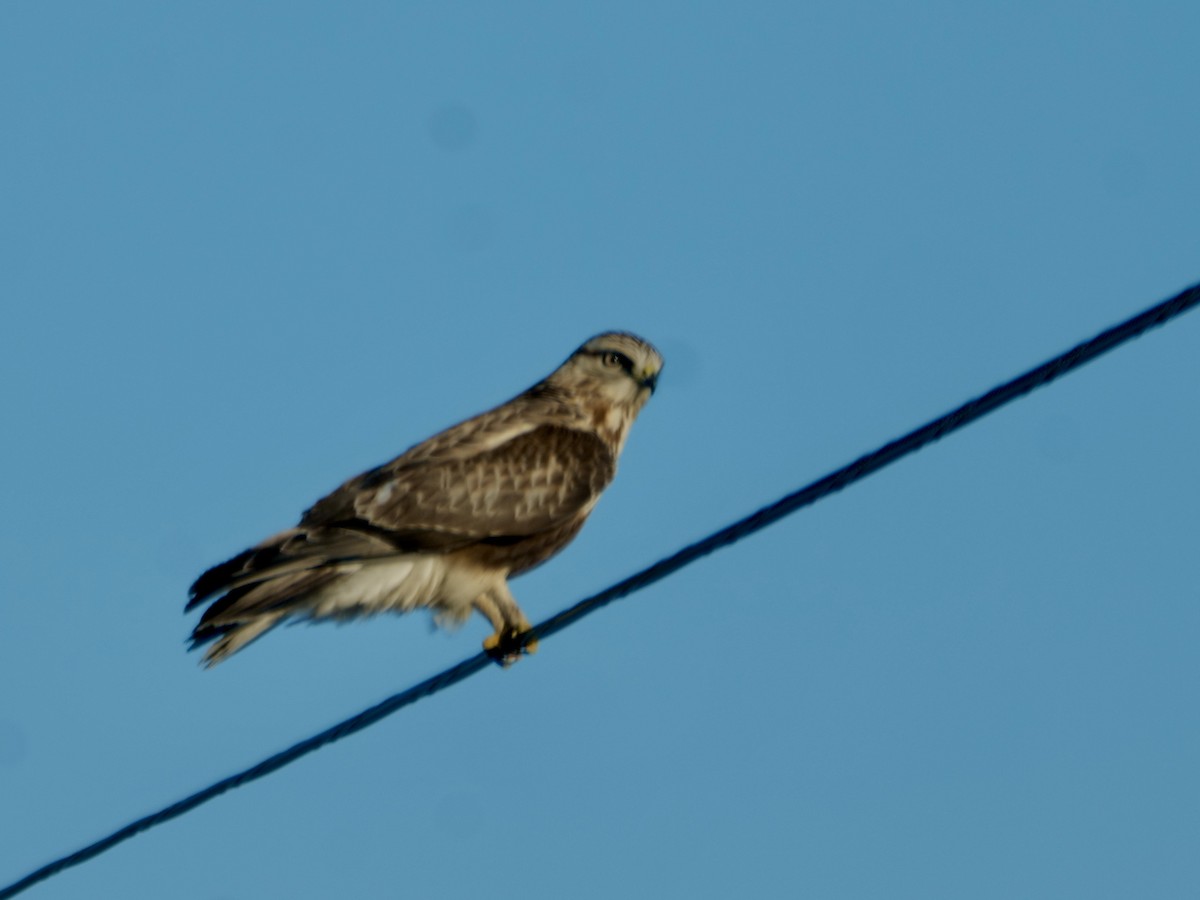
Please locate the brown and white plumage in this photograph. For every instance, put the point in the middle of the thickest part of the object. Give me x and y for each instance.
(445, 524)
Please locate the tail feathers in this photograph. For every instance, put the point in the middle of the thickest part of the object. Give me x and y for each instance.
(229, 639)
(251, 609)
(215, 579)
(287, 551)
(259, 587)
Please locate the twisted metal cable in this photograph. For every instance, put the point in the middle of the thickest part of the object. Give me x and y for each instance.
(768, 515)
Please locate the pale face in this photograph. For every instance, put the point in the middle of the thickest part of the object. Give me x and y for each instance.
(621, 366)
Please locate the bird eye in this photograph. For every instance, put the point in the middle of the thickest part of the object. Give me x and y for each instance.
(612, 359)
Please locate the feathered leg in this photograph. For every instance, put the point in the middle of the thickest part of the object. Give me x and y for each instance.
(506, 617)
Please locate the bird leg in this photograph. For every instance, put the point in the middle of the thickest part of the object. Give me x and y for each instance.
(506, 617)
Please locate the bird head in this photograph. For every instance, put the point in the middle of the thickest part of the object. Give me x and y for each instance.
(611, 376)
(621, 366)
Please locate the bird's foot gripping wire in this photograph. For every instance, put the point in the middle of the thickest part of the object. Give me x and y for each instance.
(506, 646)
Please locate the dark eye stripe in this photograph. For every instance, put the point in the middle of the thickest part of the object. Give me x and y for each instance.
(625, 362)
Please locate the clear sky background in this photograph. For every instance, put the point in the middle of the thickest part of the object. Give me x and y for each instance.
(250, 249)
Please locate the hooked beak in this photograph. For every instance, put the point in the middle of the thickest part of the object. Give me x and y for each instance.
(650, 381)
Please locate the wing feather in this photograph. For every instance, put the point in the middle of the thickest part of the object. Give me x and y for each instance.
(532, 482)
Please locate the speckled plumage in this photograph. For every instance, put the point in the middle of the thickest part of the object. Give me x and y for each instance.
(446, 523)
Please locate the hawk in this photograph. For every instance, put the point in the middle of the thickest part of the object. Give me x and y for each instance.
(447, 523)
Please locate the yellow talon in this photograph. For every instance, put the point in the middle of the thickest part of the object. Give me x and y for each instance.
(500, 646)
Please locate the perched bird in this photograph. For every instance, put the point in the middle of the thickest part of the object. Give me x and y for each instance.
(447, 523)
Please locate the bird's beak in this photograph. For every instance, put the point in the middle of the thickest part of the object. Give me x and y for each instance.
(649, 380)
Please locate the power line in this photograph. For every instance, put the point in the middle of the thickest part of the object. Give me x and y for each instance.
(768, 515)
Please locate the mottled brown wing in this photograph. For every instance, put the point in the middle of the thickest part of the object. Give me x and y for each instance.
(535, 481)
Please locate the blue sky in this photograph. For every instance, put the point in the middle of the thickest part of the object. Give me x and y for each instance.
(250, 249)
